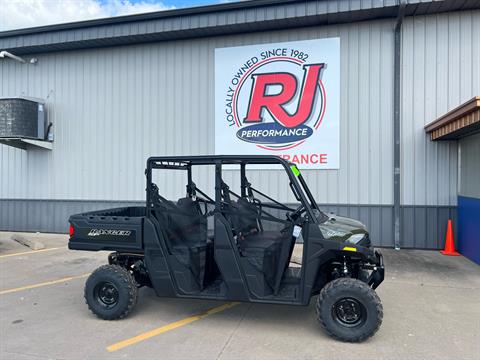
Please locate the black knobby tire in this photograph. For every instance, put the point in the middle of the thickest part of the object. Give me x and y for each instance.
(111, 292)
(349, 310)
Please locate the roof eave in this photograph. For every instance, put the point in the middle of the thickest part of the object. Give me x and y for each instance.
(462, 121)
(164, 14)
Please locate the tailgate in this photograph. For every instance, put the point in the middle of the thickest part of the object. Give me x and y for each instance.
(119, 229)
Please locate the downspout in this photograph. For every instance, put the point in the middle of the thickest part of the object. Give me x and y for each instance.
(396, 121)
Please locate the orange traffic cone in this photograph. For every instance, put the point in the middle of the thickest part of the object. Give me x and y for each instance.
(449, 242)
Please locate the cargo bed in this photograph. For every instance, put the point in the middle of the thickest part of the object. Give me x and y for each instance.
(118, 229)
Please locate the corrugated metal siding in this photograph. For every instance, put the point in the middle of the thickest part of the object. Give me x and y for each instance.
(47, 216)
(440, 70)
(114, 107)
(13, 170)
(422, 226)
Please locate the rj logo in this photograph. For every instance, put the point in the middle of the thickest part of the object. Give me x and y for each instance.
(275, 104)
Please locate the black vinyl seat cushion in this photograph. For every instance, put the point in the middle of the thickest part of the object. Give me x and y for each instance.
(263, 251)
(262, 254)
(260, 239)
(193, 258)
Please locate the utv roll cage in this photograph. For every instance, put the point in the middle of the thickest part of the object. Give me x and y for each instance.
(297, 182)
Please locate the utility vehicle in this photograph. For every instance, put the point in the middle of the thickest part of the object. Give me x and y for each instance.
(233, 245)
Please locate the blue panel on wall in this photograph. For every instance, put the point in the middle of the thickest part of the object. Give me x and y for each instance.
(469, 228)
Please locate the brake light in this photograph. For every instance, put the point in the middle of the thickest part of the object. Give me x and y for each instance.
(71, 230)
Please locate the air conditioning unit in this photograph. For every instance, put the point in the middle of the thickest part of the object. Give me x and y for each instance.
(23, 122)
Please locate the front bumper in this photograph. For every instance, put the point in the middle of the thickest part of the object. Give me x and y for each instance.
(378, 271)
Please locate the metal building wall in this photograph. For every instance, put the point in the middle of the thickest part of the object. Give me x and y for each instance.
(440, 70)
(114, 107)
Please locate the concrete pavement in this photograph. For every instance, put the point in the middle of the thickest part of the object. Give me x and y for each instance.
(430, 312)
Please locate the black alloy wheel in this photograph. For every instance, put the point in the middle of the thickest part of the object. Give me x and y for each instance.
(106, 294)
(349, 312)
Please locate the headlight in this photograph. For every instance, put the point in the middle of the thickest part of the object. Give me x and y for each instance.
(355, 238)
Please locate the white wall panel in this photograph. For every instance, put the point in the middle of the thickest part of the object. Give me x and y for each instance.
(13, 162)
(440, 70)
(114, 107)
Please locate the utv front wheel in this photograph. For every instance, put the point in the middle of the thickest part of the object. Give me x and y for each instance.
(349, 310)
(111, 292)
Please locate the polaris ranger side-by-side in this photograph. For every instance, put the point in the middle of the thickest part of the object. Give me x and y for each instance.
(233, 245)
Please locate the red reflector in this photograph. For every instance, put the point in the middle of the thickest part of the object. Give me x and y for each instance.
(72, 230)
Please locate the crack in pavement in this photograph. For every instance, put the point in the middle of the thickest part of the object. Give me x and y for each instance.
(28, 354)
(426, 284)
(233, 332)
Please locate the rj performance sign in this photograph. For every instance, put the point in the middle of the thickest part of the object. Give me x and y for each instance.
(280, 99)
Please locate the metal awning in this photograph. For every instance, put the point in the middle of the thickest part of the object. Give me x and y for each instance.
(462, 121)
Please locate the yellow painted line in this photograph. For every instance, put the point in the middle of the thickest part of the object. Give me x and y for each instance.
(168, 327)
(29, 252)
(34, 286)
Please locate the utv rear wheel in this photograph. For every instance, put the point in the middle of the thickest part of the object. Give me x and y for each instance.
(111, 292)
(349, 310)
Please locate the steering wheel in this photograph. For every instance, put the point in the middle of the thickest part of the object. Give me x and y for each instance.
(293, 216)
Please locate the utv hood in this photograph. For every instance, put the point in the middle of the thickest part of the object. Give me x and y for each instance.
(343, 229)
